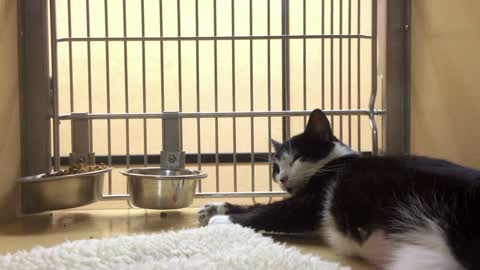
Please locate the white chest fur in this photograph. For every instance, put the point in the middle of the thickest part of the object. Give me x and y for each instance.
(376, 249)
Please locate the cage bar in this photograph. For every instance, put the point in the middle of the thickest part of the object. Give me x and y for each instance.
(349, 72)
(359, 78)
(340, 69)
(179, 55)
(125, 70)
(144, 87)
(373, 94)
(269, 95)
(341, 81)
(197, 76)
(252, 126)
(234, 120)
(215, 61)
(284, 37)
(221, 114)
(56, 113)
(304, 58)
(89, 71)
(332, 53)
(109, 122)
(70, 60)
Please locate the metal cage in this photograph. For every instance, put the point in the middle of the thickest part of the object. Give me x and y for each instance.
(313, 52)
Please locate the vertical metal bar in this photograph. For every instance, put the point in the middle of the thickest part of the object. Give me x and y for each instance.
(340, 68)
(397, 127)
(286, 68)
(197, 74)
(70, 62)
(162, 73)
(235, 184)
(56, 121)
(89, 72)
(144, 86)
(252, 125)
(349, 72)
(179, 48)
(359, 78)
(269, 96)
(304, 61)
(80, 140)
(332, 71)
(36, 88)
(323, 55)
(125, 57)
(217, 171)
(109, 123)
(373, 95)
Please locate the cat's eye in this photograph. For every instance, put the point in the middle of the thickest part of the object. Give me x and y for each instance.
(295, 157)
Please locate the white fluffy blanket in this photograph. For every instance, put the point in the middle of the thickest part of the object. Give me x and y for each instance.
(215, 247)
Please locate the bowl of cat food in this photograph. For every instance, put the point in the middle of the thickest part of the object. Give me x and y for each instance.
(76, 186)
(162, 188)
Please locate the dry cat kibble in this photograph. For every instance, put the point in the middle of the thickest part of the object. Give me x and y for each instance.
(76, 169)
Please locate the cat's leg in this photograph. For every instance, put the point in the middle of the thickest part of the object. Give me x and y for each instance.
(289, 215)
(206, 212)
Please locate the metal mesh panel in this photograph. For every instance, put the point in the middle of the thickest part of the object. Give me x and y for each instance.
(238, 73)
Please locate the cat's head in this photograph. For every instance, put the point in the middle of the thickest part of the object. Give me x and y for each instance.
(297, 159)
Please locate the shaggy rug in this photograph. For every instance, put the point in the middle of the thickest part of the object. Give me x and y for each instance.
(214, 247)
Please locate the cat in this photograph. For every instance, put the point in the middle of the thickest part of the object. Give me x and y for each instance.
(397, 212)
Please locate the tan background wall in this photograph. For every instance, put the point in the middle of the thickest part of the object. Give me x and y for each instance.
(445, 115)
(9, 108)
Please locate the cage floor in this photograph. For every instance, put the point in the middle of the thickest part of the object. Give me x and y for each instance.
(51, 229)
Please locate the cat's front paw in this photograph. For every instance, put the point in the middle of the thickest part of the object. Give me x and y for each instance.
(210, 210)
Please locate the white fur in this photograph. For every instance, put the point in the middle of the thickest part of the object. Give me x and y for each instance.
(215, 248)
(407, 256)
(300, 171)
(220, 220)
(425, 245)
(375, 249)
(422, 247)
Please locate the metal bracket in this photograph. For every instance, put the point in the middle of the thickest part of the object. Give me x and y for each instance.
(81, 140)
(172, 160)
(172, 157)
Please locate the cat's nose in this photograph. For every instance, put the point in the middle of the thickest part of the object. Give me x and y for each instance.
(284, 179)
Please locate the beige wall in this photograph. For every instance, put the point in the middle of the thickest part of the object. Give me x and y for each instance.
(9, 109)
(446, 80)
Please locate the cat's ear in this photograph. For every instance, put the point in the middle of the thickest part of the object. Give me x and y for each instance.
(318, 126)
(276, 145)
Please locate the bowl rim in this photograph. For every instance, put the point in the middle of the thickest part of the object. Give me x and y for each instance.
(195, 176)
(39, 177)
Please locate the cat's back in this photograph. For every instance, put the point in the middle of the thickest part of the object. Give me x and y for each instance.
(409, 169)
(405, 195)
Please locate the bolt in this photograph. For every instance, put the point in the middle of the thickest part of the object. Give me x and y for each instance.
(172, 158)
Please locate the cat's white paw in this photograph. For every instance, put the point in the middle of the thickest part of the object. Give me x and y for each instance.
(209, 210)
(220, 220)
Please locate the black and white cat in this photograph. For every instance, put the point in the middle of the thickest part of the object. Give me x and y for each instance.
(399, 213)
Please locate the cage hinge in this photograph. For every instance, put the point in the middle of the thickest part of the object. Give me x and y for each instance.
(51, 98)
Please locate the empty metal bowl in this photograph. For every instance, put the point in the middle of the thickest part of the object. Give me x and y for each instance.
(161, 188)
(61, 192)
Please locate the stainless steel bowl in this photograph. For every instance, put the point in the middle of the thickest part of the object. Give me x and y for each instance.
(161, 188)
(60, 192)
